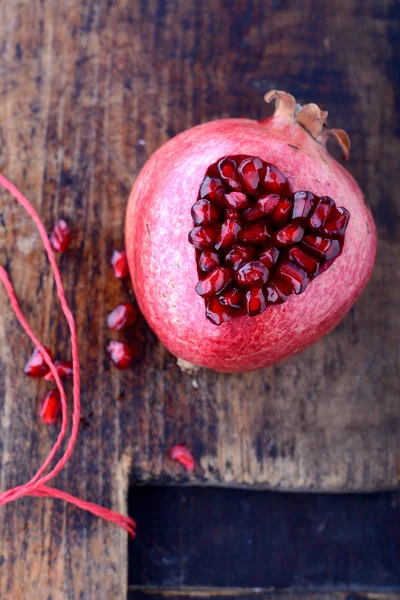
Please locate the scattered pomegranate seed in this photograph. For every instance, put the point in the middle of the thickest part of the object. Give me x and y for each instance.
(215, 312)
(228, 234)
(275, 182)
(208, 260)
(182, 455)
(36, 365)
(213, 190)
(122, 316)
(64, 369)
(255, 301)
(304, 260)
(61, 236)
(214, 282)
(255, 234)
(119, 264)
(250, 171)
(294, 278)
(319, 215)
(50, 407)
(290, 234)
(240, 254)
(252, 273)
(232, 297)
(282, 212)
(269, 257)
(337, 222)
(236, 200)
(303, 204)
(204, 212)
(203, 237)
(120, 354)
(320, 247)
(228, 173)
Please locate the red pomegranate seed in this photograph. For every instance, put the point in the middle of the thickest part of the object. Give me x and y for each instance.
(204, 212)
(122, 316)
(251, 171)
(228, 172)
(320, 247)
(182, 455)
(213, 190)
(64, 369)
(267, 203)
(252, 273)
(319, 215)
(269, 257)
(231, 215)
(208, 260)
(50, 407)
(203, 238)
(232, 297)
(216, 313)
(255, 234)
(119, 264)
(240, 254)
(253, 213)
(255, 301)
(214, 282)
(337, 222)
(304, 260)
(275, 182)
(282, 212)
(120, 354)
(61, 236)
(275, 293)
(228, 235)
(236, 200)
(36, 365)
(294, 278)
(303, 204)
(290, 234)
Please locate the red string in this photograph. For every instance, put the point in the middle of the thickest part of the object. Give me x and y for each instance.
(36, 486)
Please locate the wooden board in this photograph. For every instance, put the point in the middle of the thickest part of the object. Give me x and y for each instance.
(88, 91)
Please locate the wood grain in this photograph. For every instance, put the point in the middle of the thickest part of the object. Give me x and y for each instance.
(88, 91)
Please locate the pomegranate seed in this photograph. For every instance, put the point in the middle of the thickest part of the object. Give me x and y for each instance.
(291, 234)
(294, 278)
(229, 234)
(204, 212)
(203, 238)
(182, 455)
(319, 215)
(216, 313)
(252, 273)
(267, 203)
(64, 369)
(50, 407)
(255, 234)
(231, 215)
(281, 213)
(252, 214)
(320, 247)
(236, 200)
(275, 293)
(304, 260)
(337, 222)
(119, 264)
(250, 171)
(120, 354)
(214, 282)
(36, 365)
(303, 204)
(213, 190)
(275, 182)
(61, 236)
(269, 257)
(240, 254)
(208, 261)
(232, 297)
(122, 316)
(228, 172)
(255, 301)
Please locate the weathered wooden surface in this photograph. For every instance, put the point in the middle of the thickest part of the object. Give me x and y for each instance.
(88, 90)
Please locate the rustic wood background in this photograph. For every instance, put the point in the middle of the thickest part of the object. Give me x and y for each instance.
(88, 91)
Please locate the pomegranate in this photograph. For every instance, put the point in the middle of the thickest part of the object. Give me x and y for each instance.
(246, 241)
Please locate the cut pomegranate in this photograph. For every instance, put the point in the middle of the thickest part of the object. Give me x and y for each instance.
(122, 316)
(214, 282)
(228, 234)
(275, 293)
(208, 260)
(36, 365)
(255, 301)
(294, 278)
(61, 236)
(304, 260)
(204, 212)
(252, 273)
(303, 204)
(250, 171)
(228, 172)
(254, 213)
(232, 297)
(120, 354)
(230, 214)
(275, 182)
(50, 407)
(236, 200)
(64, 369)
(320, 247)
(203, 237)
(291, 234)
(119, 264)
(212, 189)
(216, 313)
(182, 455)
(239, 255)
(282, 212)
(255, 234)
(319, 215)
(269, 257)
(337, 222)
(267, 203)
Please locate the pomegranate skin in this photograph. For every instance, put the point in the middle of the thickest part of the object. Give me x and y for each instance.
(162, 262)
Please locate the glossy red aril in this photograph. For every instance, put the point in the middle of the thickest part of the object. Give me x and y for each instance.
(208, 260)
(275, 293)
(122, 316)
(50, 407)
(236, 200)
(121, 354)
(203, 237)
(304, 260)
(64, 369)
(291, 234)
(227, 170)
(230, 214)
(250, 171)
(253, 213)
(303, 204)
(255, 301)
(281, 213)
(294, 278)
(232, 297)
(61, 236)
(228, 234)
(216, 313)
(275, 182)
(36, 365)
(255, 234)
(252, 273)
(269, 257)
(267, 203)
(322, 248)
(214, 282)
(337, 222)
(182, 455)
(319, 215)
(240, 254)
(119, 264)
(204, 212)
(212, 189)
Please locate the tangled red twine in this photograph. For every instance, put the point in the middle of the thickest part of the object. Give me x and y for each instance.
(37, 485)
